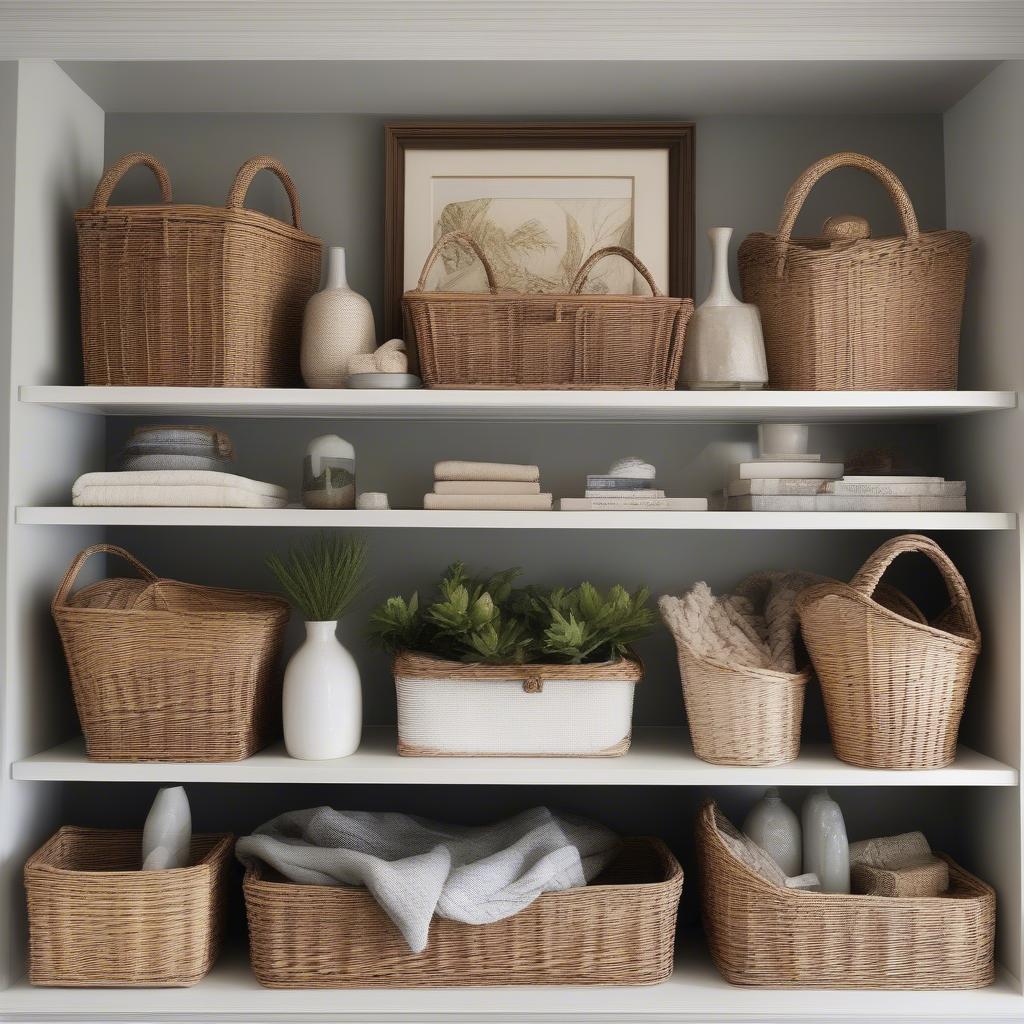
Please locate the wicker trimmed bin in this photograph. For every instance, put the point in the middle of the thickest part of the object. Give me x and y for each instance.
(763, 935)
(168, 671)
(97, 921)
(193, 296)
(619, 930)
(452, 708)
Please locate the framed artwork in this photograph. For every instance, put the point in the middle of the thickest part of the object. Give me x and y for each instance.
(538, 199)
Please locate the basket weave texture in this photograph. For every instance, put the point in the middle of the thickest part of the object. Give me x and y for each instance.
(619, 930)
(894, 686)
(857, 313)
(198, 296)
(97, 920)
(502, 339)
(760, 934)
(168, 671)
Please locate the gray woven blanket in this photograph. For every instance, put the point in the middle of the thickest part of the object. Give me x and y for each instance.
(415, 868)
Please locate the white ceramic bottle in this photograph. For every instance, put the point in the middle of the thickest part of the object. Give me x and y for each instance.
(826, 848)
(323, 699)
(338, 324)
(776, 829)
(167, 835)
(724, 347)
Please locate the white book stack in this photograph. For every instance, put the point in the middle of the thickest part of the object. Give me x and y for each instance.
(847, 494)
(629, 486)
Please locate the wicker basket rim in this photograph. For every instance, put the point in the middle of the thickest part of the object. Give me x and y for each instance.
(801, 677)
(838, 589)
(803, 241)
(276, 603)
(508, 295)
(630, 667)
(708, 823)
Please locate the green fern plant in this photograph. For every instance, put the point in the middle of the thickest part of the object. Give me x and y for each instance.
(323, 578)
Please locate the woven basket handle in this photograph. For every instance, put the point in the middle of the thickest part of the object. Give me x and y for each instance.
(115, 172)
(83, 556)
(802, 186)
(870, 573)
(612, 250)
(466, 240)
(249, 170)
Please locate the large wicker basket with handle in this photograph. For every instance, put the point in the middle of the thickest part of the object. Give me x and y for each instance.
(861, 313)
(187, 295)
(894, 685)
(762, 934)
(619, 930)
(168, 671)
(576, 341)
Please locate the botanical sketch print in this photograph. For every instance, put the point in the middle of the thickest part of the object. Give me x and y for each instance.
(536, 241)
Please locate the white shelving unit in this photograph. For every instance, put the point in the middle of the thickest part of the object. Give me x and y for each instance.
(54, 141)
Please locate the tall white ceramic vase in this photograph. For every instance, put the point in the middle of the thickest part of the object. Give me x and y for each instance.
(776, 829)
(826, 848)
(724, 347)
(323, 700)
(167, 834)
(338, 324)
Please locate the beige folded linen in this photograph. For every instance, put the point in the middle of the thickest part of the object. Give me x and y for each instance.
(494, 502)
(927, 877)
(453, 470)
(176, 488)
(486, 487)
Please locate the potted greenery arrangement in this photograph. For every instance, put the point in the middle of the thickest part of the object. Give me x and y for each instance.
(323, 700)
(483, 668)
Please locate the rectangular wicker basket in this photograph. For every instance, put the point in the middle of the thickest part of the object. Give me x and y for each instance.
(97, 921)
(193, 296)
(763, 935)
(448, 708)
(620, 930)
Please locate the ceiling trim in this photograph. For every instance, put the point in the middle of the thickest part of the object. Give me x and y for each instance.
(512, 29)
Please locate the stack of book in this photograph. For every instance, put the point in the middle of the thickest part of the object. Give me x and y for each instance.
(628, 486)
(847, 494)
(493, 486)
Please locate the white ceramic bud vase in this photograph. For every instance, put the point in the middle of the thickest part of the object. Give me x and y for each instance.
(826, 848)
(338, 324)
(724, 346)
(776, 829)
(323, 700)
(167, 835)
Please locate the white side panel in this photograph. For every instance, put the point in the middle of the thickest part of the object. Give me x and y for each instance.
(57, 147)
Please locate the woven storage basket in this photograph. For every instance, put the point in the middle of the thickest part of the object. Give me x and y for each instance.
(167, 671)
(619, 930)
(857, 313)
(453, 708)
(96, 920)
(198, 296)
(760, 934)
(545, 341)
(741, 715)
(894, 686)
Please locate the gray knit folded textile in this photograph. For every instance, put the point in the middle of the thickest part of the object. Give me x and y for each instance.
(416, 868)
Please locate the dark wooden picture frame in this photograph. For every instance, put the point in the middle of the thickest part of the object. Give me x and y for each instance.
(677, 138)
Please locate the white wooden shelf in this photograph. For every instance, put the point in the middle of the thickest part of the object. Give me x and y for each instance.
(578, 406)
(659, 756)
(694, 993)
(422, 519)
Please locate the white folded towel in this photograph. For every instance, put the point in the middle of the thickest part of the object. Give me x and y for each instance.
(176, 488)
(453, 470)
(486, 487)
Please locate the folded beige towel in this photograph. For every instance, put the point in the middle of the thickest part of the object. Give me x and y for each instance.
(453, 470)
(176, 488)
(485, 487)
(502, 502)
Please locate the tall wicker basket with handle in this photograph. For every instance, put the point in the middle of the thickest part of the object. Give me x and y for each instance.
(576, 341)
(857, 313)
(193, 296)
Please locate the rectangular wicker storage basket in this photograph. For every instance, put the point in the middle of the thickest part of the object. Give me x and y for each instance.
(454, 708)
(167, 671)
(848, 311)
(193, 296)
(764, 935)
(575, 341)
(96, 920)
(619, 930)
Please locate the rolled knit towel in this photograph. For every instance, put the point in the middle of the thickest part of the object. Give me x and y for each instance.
(454, 470)
(488, 502)
(392, 362)
(902, 865)
(486, 487)
(890, 851)
(362, 362)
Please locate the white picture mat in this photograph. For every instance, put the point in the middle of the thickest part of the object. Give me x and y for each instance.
(645, 169)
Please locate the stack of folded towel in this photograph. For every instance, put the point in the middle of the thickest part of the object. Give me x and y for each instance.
(487, 485)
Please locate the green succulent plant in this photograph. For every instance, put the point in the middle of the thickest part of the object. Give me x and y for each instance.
(488, 620)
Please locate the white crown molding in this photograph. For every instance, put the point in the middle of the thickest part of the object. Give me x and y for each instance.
(512, 29)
